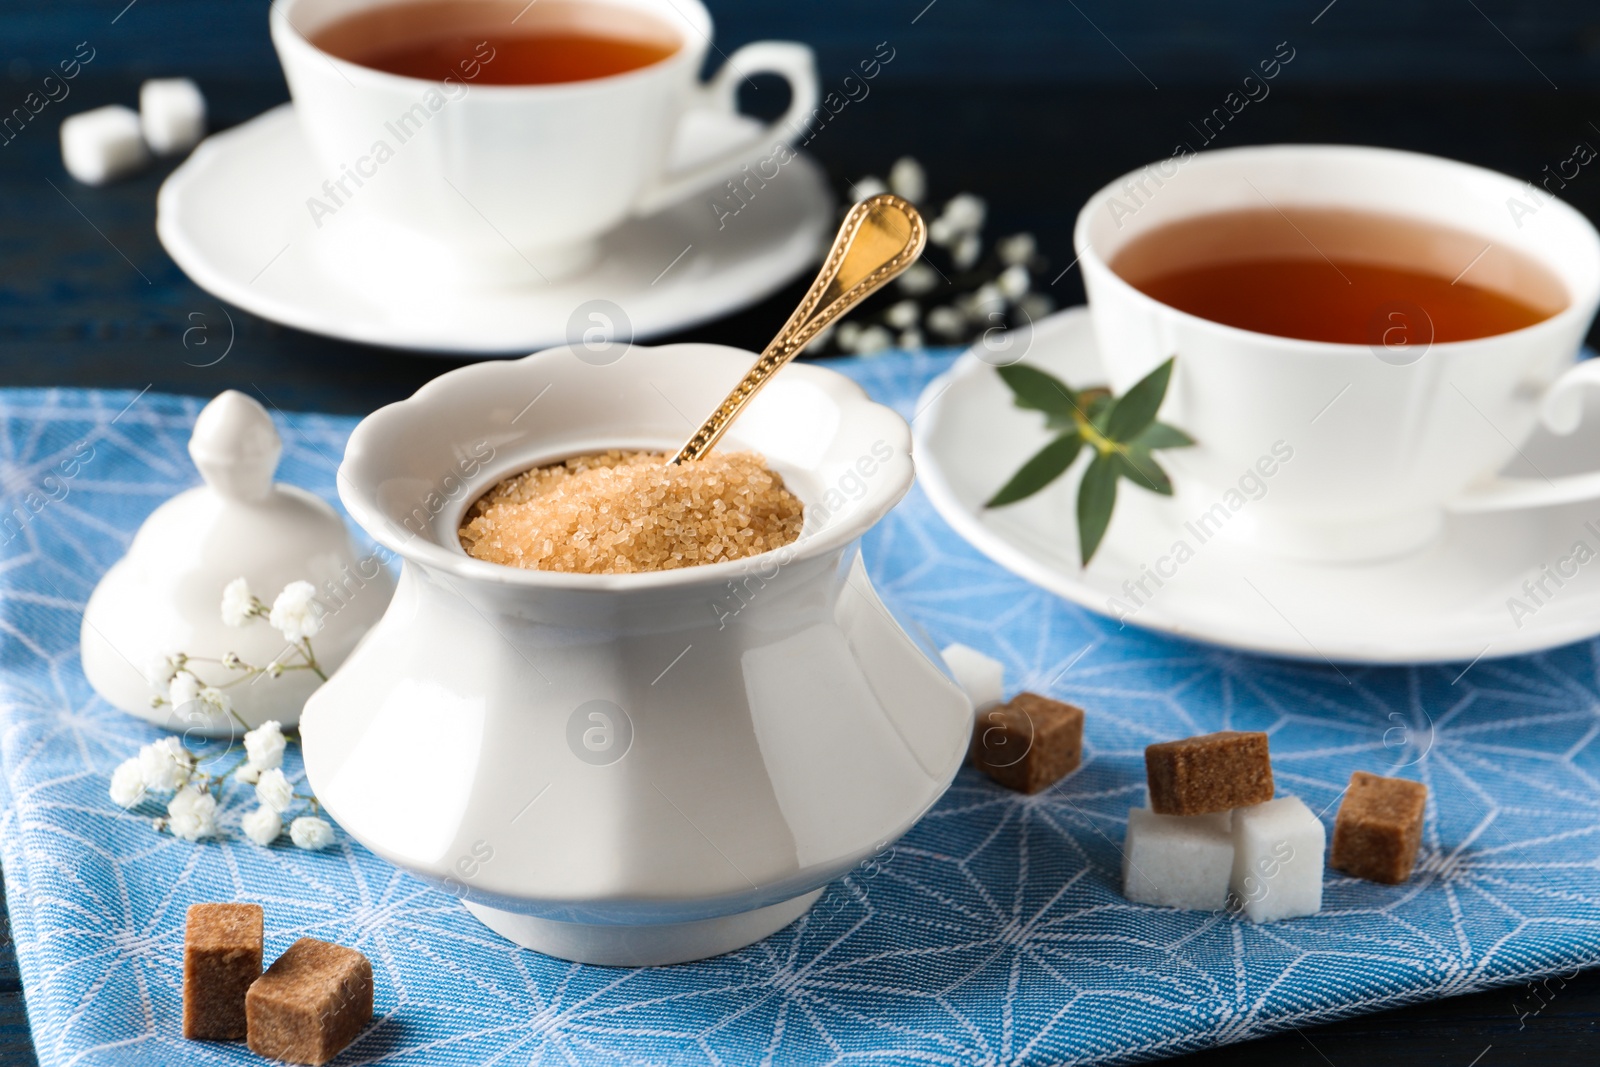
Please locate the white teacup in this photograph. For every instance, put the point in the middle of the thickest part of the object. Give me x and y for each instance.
(515, 183)
(1378, 449)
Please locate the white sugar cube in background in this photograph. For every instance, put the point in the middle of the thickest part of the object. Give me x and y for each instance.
(983, 678)
(172, 113)
(99, 145)
(1177, 861)
(1277, 860)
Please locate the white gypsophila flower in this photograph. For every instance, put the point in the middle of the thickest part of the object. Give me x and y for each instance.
(310, 832)
(910, 340)
(919, 278)
(217, 699)
(159, 671)
(904, 315)
(127, 783)
(1037, 305)
(908, 179)
(1018, 248)
(1013, 282)
(184, 688)
(965, 213)
(247, 774)
(966, 251)
(871, 185)
(164, 765)
(984, 303)
(264, 746)
(874, 339)
(238, 604)
(262, 826)
(846, 336)
(941, 232)
(947, 322)
(192, 814)
(274, 790)
(294, 613)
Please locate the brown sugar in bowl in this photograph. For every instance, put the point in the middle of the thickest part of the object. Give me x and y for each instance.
(621, 512)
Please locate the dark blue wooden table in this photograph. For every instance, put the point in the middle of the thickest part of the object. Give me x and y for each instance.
(1031, 103)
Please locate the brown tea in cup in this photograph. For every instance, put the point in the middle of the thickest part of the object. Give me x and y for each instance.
(1338, 275)
(506, 42)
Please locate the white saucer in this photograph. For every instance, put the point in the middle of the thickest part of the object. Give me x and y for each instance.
(234, 218)
(1447, 602)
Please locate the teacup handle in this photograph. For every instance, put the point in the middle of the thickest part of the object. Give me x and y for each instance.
(1561, 410)
(796, 63)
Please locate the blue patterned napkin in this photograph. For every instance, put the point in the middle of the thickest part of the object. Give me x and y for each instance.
(992, 934)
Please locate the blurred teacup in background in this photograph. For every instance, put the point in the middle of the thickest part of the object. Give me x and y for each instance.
(495, 140)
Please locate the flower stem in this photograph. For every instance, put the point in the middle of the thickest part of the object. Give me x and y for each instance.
(311, 658)
(1097, 440)
(212, 782)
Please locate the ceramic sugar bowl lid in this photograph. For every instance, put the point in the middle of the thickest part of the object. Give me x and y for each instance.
(165, 596)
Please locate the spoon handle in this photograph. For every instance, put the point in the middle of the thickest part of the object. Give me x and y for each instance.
(881, 236)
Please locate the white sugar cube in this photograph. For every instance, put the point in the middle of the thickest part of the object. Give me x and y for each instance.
(1177, 861)
(1277, 860)
(983, 678)
(102, 144)
(172, 113)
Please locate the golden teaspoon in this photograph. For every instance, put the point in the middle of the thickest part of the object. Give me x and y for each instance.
(880, 237)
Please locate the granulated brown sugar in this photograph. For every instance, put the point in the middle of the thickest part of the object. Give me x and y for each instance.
(623, 512)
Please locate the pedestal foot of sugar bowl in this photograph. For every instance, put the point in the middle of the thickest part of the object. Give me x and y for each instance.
(649, 945)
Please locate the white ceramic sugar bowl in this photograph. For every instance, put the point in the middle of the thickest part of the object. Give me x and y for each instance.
(165, 595)
(644, 768)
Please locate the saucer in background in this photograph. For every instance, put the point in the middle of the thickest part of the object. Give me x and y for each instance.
(1448, 602)
(235, 218)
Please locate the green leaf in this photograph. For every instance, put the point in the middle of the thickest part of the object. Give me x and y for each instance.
(1160, 435)
(1046, 466)
(1097, 495)
(1141, 468)
(1039, 391)
(1136, 409)
(1124, 434)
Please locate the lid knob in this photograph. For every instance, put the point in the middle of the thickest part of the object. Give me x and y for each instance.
(236, 447)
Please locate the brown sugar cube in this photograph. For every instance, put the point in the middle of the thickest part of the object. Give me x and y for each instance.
(1379, 828)
(311, 1003)
(1209, 773)
(1030, 743)
(221, 957)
